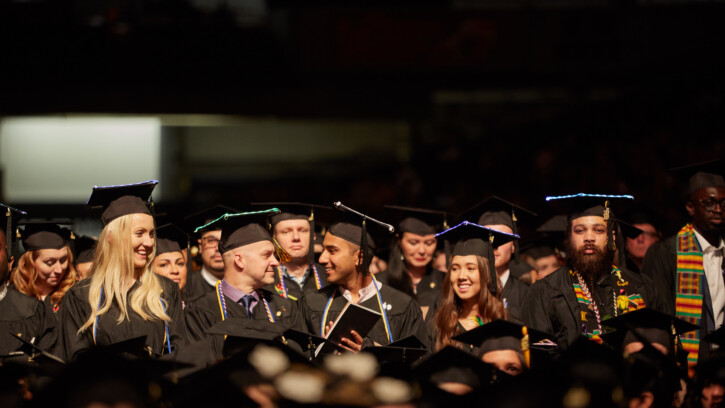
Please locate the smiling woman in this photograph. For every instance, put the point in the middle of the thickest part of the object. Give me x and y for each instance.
(123, 299)
(45, 271)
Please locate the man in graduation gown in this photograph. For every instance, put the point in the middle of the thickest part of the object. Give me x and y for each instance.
(249, 261)
(294, 232)
(20, 314)
(688, 267)
(574, 300)
(199, 283)
(350, 281)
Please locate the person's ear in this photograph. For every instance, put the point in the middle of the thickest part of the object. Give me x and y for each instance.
(690, 208)
(11, 261)
(239, 261)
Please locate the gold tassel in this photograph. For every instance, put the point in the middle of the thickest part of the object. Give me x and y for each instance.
(525, 346)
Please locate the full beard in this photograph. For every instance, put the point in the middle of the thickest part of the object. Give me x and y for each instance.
(590, 266)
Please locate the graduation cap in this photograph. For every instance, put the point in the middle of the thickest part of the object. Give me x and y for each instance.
(308, 342)
(474, 239)
(129, 347)
(650, 370)
(716, 337)
(418, 221)
(405, 351)
(354, 230)
(10, 216)
(239, 229)
(85, 248)
(122, 200)
(503, 335)
(37, 235)
(452, 364)
(296, 211)
(193, 221)
(626, 230)
(170, 238)
(583, 205)
(701, 175)
(37, 354)
(648, 324)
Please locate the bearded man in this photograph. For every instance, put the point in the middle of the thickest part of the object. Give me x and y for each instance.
(576, 299)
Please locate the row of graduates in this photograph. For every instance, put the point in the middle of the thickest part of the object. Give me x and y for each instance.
(468, 278)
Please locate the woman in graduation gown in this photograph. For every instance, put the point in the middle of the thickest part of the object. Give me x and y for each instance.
(20, 314)
(470, 296)
(410, 266)
(123, 299)
(45, 271)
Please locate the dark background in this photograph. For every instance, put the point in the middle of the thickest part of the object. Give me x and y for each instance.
(520, 99)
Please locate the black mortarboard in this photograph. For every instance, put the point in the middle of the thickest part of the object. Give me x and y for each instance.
(701, 175)
(497, 211)
(583, 204)
(85, 248)
(474, 239)
(405, 351)
(134, 346)
(239, 229)
(540, 251)
(418, 221)
(554, 224)
(354, 229)
(37, 235)
(9, 217)
(38, 354)
(296, 211)
(653, 326)
(170, 238)
(206, 216)
(308, 342)
(501, 335)
(716, 337)
(122, 200)
(452, 364)
(627, 231)
(650, 370)
(243, 334)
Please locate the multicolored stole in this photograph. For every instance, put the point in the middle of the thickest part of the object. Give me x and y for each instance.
(689, 293)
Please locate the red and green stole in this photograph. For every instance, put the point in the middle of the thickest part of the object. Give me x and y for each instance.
(690, 281)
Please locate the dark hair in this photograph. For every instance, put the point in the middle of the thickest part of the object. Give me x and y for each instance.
(446, 318)
(398, 278)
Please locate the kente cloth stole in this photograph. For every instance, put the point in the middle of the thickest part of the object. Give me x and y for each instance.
(590, 328)
(690, 281)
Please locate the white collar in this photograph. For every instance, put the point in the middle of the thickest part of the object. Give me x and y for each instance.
(208, 277)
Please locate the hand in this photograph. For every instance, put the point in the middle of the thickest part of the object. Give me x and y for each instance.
(350, 345)
(327, 329)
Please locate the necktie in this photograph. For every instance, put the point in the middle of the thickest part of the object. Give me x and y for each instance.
(246, 301)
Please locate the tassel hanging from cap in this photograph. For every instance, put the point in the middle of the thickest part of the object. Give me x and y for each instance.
(282, 255)
(492, 269)
(525, 348)
(610, 226)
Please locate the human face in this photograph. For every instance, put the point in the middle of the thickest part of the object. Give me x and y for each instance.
(51, 265)
(588, 234)
(143, 236)
(294, 237)
(339, 257)
(210, 256)
(465, 277)
(707, 221)
(171, 265)
(507, 361)
(712, 395)
(417, 249)
(503, 252)
(259, 263)
(546, 265)
(637, 247)
(83, 269)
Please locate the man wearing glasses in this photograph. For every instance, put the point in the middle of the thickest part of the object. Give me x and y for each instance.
(200, 282)
(688, 267)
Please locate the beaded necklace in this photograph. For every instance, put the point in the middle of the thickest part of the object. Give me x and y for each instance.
(223, 304)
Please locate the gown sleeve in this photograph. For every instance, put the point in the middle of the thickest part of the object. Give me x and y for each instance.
(73, 316)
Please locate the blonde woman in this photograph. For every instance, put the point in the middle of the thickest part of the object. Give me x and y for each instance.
(45, 271)
(123, 299)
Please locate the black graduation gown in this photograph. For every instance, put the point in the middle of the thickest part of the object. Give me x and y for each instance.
(27, 317)
(404, 315)
(660, 266)
(205, 312)
(76, 309)
(513, 295)
(196, 287)
(551, 305)
(428, 290)
(54, 310)
(293, 289)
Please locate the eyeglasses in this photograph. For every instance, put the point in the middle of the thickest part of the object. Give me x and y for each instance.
(209, 242)
(710, 203)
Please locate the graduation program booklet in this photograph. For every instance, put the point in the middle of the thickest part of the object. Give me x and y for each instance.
(352, 317)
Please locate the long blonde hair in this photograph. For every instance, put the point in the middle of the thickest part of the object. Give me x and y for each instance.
(113, 270)
(25, 275)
